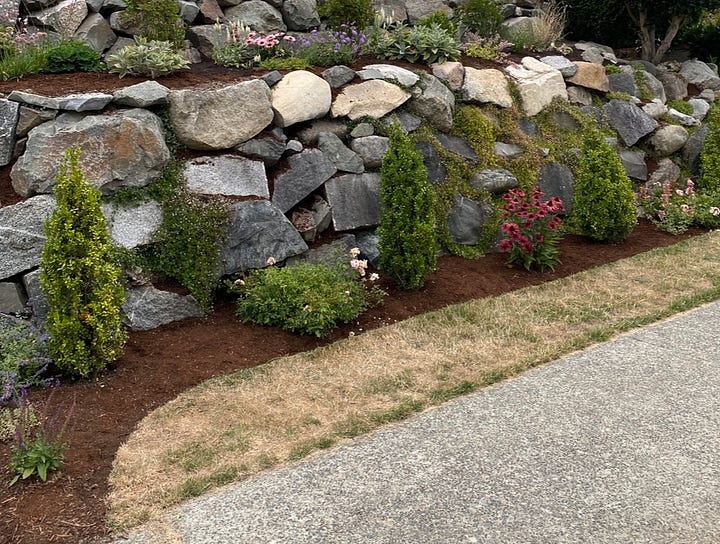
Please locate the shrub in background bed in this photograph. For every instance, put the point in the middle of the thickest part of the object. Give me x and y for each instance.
(710, 156)
(604, 207)
(408, 245)
(83, 285)
(157, 20)
(480, 16)
(335, 13)
(72, 57)
(307, 299)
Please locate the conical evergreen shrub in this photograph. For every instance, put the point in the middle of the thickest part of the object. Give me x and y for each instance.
(83, 285)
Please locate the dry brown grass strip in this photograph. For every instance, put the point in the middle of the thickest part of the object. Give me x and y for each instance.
(234, 426)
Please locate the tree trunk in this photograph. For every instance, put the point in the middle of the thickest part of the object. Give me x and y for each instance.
(647, 35)
(675, 24)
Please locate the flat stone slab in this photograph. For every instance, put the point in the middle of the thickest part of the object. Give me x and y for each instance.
(134, 225)
(354, 200)
(227, 175)
(147, 308)
(403, 76)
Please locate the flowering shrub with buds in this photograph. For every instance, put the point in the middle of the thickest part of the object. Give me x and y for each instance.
(341, 46)
(532, 229)
(676, 210)
(307, 298)
(492, 48)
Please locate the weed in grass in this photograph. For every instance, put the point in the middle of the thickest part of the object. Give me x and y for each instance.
(402, 411)
(383, 385)
(267, 461)
(307, 448)
(445, 393)
(352, 427)
(194, 487)
(191, 457)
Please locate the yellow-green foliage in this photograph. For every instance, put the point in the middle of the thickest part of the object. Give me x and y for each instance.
(408, 247)
(471, 124)
(604, 206)
(710, 157)
(82, 283)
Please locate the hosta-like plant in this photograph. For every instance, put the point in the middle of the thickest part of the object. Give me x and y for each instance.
(146, 58)
(428, 44)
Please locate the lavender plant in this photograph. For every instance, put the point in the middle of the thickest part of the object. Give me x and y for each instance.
(329, 48)
(24, 357)
(39, 446)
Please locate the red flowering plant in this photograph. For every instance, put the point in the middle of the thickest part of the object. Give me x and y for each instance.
(532, 227)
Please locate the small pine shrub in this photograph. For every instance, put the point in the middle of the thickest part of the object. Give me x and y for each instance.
(83, 285)
(408, 245)
(604, 206)
(358, 13)
(72, 57)
(482, 17)
(710, 156)
(157, 20)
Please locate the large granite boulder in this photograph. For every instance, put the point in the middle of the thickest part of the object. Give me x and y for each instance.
(300, 96)
(590, 76)
(258, 230)
(373, 98)
(306, 172)
(630, 122)
(147, 308)
(22, 234)
(354, 200)
(121, 149)
(435, 102)
(133, 225)
(700, 74)
(9, 115)
(258, 15)
(486, 86)
(227, 175)
(557, 180)
(467, 220)
(538, 84)
(300, 14)
(220, 118)
(668, 139)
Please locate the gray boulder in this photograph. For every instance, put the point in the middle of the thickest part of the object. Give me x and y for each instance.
(435, 102)
(12, 298)
(700, 108)
(669, 139)
(64, 17)
(22, 234)
(96, 32)
(29, 118)
(258, 15)
(675, 85)
(433, 163)
(9, 114)
(37, 301)
(121, 149)
(623, 82)
(693, 148)
(84, 102)
(368, 242)
(458, 146)
(300, 14)
(373, 98)
(630, 122)
(268, 149)
(258, 230)
(306, 172)
(329, 254)
(667, 172)
(309, 135)
(220, 118)
(566, 67)
(557, 180)
(339, 75)
(300, 96)
(344, 159)
(508, 151)
(142, 95)
(133, 225)
(634, 163)
(700, 74)
(389, 72)
(467, 220)
(148, 308)
(226, 175)
(371, 149)
(494, 181)
(354, 200)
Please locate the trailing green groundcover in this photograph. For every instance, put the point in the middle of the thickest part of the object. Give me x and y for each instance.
(83, 285)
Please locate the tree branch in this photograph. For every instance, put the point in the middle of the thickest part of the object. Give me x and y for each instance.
(676, 22)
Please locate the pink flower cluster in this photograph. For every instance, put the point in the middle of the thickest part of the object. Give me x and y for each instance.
(269, 41)
(532, 228)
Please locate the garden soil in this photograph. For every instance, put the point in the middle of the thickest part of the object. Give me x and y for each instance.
(160, 364)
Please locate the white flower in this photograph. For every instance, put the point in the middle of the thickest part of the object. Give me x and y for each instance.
(714, 211)
(239, 282)
(374, 277)
(354, 252)
(271, 261)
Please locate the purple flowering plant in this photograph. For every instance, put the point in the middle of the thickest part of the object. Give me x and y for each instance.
(329, 48)
(532, 229)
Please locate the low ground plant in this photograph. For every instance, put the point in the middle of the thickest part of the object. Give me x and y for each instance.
(426, 44)
(72, 56)
(493, 48)
(148, 58)
(307, 298)
(532, 227)
(340, 46)
(675, 210)
(24, 357)
(39, 446)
